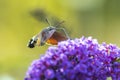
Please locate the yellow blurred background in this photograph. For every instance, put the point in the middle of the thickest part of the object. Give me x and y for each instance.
(97, 18)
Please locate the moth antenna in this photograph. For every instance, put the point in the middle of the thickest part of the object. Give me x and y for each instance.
(48, 21)
(59, 23)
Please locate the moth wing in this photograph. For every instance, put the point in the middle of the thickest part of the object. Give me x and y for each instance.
(62, 32)
(39, 14)
(56, 37)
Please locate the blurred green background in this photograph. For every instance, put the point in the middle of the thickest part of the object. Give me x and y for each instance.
(97, 18)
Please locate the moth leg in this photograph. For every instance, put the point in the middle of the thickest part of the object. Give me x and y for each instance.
(46, 19)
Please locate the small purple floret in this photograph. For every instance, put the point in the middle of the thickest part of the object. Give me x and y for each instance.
(78, 59)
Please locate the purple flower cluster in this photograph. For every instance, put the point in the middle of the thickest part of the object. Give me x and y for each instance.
(78, 59)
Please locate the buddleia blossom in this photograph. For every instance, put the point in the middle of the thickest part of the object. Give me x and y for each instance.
(78, 59)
